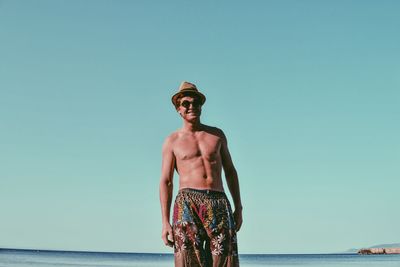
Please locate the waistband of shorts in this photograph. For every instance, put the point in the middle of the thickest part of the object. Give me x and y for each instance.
(204, 192)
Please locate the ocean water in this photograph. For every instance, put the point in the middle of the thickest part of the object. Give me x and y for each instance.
(34, 258)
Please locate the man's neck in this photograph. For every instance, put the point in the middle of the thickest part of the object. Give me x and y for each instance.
(192, 126)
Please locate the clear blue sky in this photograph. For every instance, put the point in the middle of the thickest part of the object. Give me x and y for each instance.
(307, 93)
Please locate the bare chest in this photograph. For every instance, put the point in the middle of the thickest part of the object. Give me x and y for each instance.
(193, 146)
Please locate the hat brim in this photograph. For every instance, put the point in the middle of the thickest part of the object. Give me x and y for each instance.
(188, 92)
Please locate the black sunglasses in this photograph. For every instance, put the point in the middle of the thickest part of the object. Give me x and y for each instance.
(195, 103)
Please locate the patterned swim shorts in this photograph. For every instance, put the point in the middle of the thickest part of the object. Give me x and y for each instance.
(204, 229)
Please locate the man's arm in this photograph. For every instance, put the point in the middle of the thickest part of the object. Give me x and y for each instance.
(232, 181)
(167, 173)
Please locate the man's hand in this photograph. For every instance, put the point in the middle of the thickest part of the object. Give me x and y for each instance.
(237, 216)
(167, 235)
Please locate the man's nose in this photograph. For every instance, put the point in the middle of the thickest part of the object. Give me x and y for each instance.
(193, 105)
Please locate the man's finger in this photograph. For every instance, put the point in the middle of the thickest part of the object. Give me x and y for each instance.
(167, 241)
(238, 227)
(170, 238)
(170, 235)
(164, 239)
(239, 222)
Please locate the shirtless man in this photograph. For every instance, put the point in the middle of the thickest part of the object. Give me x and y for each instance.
(203, 232)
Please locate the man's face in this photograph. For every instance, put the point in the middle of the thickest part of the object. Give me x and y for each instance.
(189, 108)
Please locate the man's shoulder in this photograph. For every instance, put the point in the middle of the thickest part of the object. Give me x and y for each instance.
(172, 137)
(214, 131)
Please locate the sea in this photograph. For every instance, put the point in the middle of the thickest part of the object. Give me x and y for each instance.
(44, 258)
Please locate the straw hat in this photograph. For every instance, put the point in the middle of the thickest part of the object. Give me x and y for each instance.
(187, 88)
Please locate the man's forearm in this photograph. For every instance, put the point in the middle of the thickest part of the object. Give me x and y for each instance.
(165, 200)
(232, 181)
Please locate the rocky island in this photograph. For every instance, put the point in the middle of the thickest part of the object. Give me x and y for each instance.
(367, 251)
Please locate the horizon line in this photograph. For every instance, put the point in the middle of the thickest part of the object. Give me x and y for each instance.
(157, 253)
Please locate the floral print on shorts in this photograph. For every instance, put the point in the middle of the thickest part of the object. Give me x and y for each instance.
(204, 229)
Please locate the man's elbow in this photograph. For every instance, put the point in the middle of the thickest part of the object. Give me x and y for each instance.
(165, 182)
(230, 172)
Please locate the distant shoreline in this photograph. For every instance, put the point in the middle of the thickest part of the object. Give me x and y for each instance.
(379, 251)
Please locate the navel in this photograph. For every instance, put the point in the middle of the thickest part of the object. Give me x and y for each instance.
(205, 176)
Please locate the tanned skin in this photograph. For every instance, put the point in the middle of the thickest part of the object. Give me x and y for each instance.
(199, 153)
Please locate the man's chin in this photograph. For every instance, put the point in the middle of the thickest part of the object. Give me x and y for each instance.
(192, 117)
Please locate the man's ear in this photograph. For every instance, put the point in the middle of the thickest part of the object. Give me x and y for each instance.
(179, 112)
